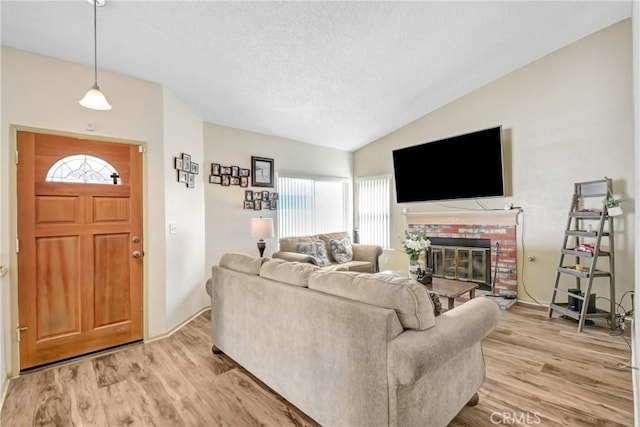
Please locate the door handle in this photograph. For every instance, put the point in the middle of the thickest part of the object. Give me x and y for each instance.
(136, 254)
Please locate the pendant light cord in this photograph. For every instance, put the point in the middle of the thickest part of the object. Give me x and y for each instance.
(95, 44)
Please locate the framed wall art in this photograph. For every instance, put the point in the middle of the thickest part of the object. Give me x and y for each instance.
(186, 169)
(261, 172)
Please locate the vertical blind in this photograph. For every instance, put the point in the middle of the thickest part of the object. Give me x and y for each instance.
(374, 210)
(311, 206)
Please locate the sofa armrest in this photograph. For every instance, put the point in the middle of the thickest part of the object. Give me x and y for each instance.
(371, 253)
(414, 353)
(294, 256)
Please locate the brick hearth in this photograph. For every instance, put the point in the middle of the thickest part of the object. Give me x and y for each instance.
(498, 226)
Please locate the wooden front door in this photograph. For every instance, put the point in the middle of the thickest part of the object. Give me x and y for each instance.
(79, 246)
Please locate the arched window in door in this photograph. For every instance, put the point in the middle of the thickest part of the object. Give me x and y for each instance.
(83, 169)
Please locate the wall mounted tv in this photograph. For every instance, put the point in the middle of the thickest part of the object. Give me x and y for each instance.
(466, 166)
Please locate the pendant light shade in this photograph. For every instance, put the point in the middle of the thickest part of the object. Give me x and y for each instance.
(94, 99)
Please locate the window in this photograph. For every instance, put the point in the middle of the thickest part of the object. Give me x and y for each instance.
(374, 207)
(82, 169)
(311, 206)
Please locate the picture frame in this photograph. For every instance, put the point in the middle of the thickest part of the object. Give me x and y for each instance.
(265, 195)
(244, 181)
(248, 195)
(266, 204)
(177, 164)
(235, 180)
(274, 205)
(257, 205)
(257, 195)
(245, 172)
(248, 204)
(235, 171)
(225, 170)
(226, 180)
(192, 180)
(273, 196)
(182, 177)
(215, 179)
(215, 168)
(186, 162)
(262, 171)
(195, 168)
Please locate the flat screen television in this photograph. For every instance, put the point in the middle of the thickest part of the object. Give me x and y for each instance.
(466, 166)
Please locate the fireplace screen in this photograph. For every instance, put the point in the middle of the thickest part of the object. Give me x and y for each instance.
(461, 263)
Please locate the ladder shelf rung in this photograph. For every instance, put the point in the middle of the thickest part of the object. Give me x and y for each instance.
(564, 309)
(584, 233)
(571, 270)
(585, 214)
(583, 254)
(566, 291)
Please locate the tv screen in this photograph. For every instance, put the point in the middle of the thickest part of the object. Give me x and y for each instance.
(466, 166)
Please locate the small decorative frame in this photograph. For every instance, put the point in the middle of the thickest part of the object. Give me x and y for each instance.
(257, 205)
(261, 171)
(226, 180)
(215, 179)
(248, 195)
(244, 181)
(235, 171)
(235, 180)
(274, 204)
(273, 196)
(266, 204)
(186, 169)
(225, 170)
(265, 195)
(257, 195)
(245, 172)
(249, 204)
(215, 168)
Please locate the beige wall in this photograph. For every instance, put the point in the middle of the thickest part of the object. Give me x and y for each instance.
(184, 208)
(635, 358)
(567, 118)
(227, 223)
(42, 93)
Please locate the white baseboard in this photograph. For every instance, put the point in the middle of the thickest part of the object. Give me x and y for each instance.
(177, 328)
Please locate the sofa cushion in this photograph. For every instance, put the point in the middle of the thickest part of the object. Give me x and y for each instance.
(327, 237)
(405, 296)
(293, 273)
(341, 249)
(288, 244)
(241, 262)
(315, 249)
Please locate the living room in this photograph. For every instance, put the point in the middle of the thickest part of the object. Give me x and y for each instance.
(568, 117)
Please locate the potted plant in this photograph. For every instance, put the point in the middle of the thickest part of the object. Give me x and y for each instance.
(613, 205)
(415, 245)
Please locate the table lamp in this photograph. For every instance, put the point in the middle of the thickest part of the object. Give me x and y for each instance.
(261, 228)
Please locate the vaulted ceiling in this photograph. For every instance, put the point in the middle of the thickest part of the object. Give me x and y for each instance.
(332, 73)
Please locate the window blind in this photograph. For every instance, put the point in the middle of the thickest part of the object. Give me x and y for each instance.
(374, 208)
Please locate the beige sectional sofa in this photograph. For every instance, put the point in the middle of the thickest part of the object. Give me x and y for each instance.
(365, 257)
(349, 349)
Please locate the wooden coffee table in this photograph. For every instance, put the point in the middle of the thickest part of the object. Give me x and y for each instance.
(451, 289)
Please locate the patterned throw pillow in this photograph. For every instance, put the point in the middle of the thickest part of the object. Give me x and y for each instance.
(341, 249)
(316, 250)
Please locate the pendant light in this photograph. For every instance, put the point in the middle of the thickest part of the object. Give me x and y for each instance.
(94, 99)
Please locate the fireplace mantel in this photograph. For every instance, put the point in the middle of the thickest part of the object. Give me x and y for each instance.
(475, 217)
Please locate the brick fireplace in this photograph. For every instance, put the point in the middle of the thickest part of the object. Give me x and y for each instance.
(471, 231)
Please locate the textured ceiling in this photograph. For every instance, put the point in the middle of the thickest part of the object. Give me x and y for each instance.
(338, 74)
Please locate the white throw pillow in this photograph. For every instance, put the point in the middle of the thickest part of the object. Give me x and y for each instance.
(341, 249)
(316, 250)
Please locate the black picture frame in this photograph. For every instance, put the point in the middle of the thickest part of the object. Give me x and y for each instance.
(215, 168)
(235, 171)
(226, 180)
(244, 181)
(262, 171)
(248, 195)
(215, 179)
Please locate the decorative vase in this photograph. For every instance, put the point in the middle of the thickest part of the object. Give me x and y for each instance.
(414, 266)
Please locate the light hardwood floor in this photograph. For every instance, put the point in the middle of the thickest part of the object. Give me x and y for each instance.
(539, 372)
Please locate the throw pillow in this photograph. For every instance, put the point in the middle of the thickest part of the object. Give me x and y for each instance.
(437, 305)
(316, 250)
(341, 249)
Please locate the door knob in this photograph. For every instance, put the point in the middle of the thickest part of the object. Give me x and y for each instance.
(136, 254)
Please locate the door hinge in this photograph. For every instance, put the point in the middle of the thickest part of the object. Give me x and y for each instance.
(16, 157)
(17, 245)
(19, 330)
(141, 149)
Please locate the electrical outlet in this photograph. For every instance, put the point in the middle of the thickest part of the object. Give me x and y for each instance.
(386, 260)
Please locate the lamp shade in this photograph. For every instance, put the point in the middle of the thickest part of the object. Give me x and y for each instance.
(261, 228)
(95, 100)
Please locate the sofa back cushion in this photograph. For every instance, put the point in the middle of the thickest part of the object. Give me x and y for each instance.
(288, 244)
(292, 273)
(242, 262)
(408, 298)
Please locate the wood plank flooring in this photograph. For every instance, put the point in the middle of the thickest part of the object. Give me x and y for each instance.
(539, 372)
